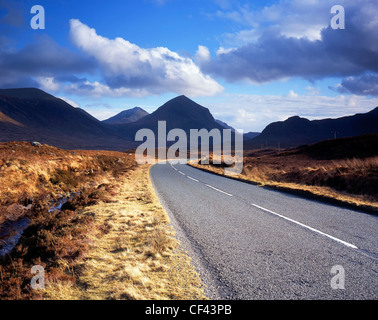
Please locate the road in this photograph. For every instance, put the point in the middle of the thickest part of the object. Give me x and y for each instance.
(249, 242)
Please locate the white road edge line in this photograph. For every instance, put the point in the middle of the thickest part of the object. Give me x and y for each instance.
(307, 227)
(216, 189)
(192, 178)
(181, 173)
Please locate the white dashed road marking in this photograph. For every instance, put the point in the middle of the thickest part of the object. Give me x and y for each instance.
(216, 189)
(275, 213)
(307, 227)
(192, 178)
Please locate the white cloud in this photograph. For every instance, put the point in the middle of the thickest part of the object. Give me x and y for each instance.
(241, 37)
(97, 90)
(70, 102)
(48, 84)
(293, 38)
(202, 54)
(242, 117)
(298, 18)
(313, 91)
(127, 67)
(290, 18)
(292, 94)
(222, 50)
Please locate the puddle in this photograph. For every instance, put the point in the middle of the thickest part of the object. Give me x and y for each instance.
(58, 205)
(11, 231)
(10, 234)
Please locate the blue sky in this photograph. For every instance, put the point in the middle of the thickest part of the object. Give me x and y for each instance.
(249, 62)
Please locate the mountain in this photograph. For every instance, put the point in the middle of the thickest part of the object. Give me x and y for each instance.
(29, 114)
(246, 136)
(297, 131)
(127, 116)
(180, 112)
(26, 93)
(225, 125)
(250, 135)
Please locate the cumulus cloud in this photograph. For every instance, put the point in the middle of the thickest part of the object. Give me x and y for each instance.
(38, 63)
(293, 18)
(47, 83)
(284, 47)
(102, 67)
(202, 54)
(126, 66)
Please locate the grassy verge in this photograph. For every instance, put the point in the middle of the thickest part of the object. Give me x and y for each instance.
(133, 252)
(348, 182)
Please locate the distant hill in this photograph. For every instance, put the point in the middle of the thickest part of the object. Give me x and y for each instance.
(127, 116)
(251, 135)
(28, 114)
(246, 136)
(297, 131)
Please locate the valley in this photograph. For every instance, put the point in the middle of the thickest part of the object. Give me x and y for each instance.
(75, 200)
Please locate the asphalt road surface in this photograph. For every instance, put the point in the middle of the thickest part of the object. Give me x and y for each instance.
(249, 242)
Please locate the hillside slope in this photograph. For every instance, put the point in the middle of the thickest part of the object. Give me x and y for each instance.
(127, 116)
(31, 114)
(297, 131)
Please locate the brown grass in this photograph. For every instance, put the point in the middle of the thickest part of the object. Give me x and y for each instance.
(33, 174)
(111, 241)
(55, 240)
(351, 181)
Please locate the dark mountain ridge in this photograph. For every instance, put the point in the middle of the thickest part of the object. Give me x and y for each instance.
(180, 112)
(32, 114)
(297, 131)
(29, 114)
